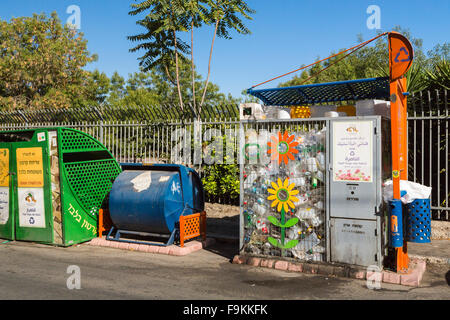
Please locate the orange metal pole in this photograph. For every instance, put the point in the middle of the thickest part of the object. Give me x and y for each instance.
(401, 56)
(399, 136)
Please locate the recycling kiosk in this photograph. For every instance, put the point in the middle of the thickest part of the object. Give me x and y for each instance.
(53, 182)
(340, 215)
(317, 196)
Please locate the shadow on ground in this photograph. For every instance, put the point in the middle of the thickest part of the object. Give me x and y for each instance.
(226, 226)
(226, 232)
(224, 248)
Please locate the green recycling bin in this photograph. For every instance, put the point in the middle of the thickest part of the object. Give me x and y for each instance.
(53, 181)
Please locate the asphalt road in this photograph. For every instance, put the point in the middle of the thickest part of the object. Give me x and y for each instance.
(33, 271)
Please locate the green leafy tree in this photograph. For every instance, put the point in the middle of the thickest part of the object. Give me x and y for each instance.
(164, 19)
(198, 15)
(97, 90)
(438, 75)
(222, 180)
(117, 89)
(226, 15)
(137, 91)
(41, 64)
(155, 87)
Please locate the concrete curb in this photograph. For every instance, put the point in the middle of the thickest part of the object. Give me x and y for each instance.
(172, 250)
(412, 278)
(430, 259)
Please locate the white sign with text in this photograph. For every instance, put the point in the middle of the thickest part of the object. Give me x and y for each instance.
(353, 151)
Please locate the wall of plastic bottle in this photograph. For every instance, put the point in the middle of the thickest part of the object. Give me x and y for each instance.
(283, 199)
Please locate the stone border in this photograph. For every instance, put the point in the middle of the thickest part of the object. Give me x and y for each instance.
(412, 278)
(430, 259)
(172, 250)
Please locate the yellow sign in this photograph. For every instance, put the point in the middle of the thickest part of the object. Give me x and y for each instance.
(30, 171)
(4, 167)
(395, 174)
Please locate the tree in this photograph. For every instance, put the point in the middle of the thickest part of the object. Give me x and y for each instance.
(117, 88)
(198, 14)
(225, 13)
(97, 89)
(41, 64)
(438, 75)
(440, 51)
(164, 20)
(155, 87)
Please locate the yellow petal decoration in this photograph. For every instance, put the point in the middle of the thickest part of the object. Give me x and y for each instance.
(282, 195)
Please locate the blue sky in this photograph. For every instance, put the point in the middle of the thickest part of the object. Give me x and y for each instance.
(285, 34)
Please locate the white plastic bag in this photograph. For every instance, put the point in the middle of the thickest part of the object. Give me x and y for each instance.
(413, 191)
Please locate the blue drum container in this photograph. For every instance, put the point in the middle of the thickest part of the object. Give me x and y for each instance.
(151, 199)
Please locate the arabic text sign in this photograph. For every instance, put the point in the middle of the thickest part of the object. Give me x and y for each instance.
(352, 151)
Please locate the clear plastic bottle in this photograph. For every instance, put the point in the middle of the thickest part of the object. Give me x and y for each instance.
(259, 209)
(321, 160)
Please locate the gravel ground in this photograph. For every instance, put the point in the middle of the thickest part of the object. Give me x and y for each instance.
(440, 230)
(222, 220)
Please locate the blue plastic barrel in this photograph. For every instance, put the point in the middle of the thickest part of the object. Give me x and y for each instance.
(152, 200)
(418, 223)
(396, 223)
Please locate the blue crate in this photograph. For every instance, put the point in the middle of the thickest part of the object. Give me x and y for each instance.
(418, 223)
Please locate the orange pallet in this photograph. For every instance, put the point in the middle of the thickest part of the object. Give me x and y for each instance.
(192, 226)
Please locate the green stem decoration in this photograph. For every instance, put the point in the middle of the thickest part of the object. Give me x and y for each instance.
(283, 225)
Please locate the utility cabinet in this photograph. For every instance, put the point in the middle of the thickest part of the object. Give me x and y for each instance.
(358, 162)
(311, 189)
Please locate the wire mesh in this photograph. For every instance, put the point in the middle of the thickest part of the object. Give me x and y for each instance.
(91, 181)
(283, 196)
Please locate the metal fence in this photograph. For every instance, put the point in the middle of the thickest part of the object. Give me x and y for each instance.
(152, 134)
(148, 135)
(428, 147)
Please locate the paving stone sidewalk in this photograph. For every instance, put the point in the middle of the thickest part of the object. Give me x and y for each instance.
(438, 251)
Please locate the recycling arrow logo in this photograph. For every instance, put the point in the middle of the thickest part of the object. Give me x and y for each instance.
(402, 49)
